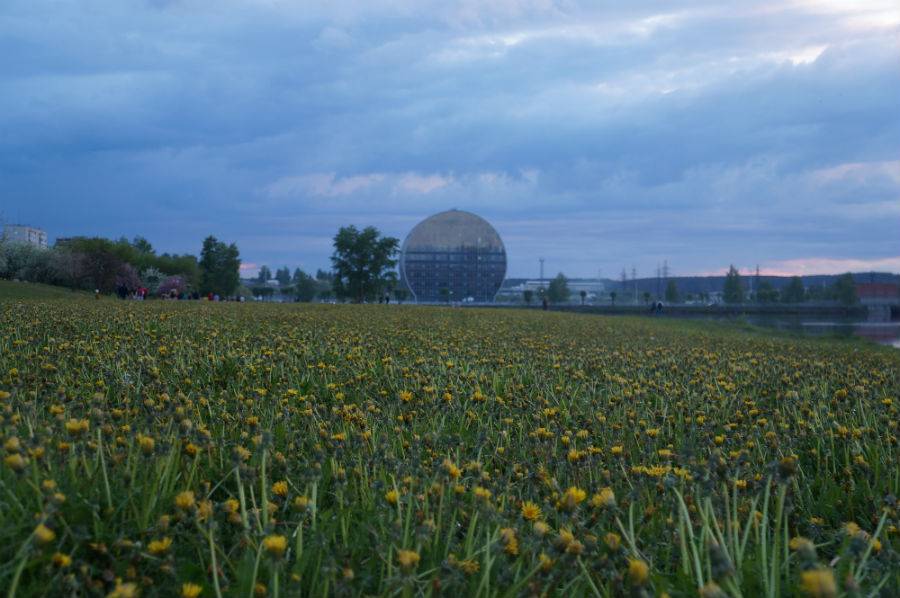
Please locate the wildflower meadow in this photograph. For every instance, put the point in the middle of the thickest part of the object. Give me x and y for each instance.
(221, 449)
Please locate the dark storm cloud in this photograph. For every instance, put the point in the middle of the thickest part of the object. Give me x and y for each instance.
(592, 136)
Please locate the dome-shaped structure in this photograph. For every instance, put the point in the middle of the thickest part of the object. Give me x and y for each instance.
(453, 256)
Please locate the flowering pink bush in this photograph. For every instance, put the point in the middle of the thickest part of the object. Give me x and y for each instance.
(173, 282)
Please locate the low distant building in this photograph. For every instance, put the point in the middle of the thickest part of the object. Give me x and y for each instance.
(576, 285)
(20, 233)
(877, 292)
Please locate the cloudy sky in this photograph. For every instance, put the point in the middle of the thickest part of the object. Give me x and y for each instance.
(596, 136)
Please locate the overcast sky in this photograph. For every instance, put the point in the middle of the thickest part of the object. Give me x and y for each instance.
(596, 136)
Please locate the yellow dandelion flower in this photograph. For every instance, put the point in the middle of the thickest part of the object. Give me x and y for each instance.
(190, 590)
(159, 547)
(185, 500)
(612, 540)
(546, 562)
(124, 590)
(407, 559)
(275, 545)
(638, 572)
(572, 498)
(540, 528)
(482, 493)
(799, 543)
(510, 542)
(452, 469)
(301, 503)
(43, 534)
(76, 427)
(146, 443)
(280, 488)
(469, 566)
(61, 560)
(852, 529)
(606, 499)
(15, 461)
(818, 583)
(530, 511)
(205, 509)
(392, 496)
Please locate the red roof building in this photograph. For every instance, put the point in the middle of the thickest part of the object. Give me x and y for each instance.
(877, 291)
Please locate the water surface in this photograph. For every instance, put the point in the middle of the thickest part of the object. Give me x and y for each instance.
(883, 333)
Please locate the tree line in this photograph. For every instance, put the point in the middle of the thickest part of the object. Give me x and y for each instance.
(843, 291)
(108, 266)
(734, 291)
(363, 268)
(300, 285)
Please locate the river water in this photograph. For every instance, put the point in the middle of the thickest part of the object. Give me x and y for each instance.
(883, 333)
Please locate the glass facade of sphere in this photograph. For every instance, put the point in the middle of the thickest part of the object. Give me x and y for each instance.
(453, 256)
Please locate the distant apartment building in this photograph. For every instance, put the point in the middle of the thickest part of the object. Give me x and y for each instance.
(19, 233)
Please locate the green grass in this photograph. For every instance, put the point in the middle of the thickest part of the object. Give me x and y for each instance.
(321, 450)
(10, 290)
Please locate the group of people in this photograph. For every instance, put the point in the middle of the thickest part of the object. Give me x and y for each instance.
(141, 293)
(138, 294)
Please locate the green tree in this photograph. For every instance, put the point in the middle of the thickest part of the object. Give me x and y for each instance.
(672, 292)
(142, 245)
(734, 288)
(528, 296)
(558, 289)
(305, 286)
(583, 295)
(612, 297)
(265, 275)
(283, 276)
(101, 260)
(766, 293)
(362, 262)
(794, 291)
(400, 293)
(844, 289)
(219, 267)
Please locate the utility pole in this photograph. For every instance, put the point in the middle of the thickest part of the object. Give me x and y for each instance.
(755, 283)
(634, 282)
(658, 275)
(542, 271)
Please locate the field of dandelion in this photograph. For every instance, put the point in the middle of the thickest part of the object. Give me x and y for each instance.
(188, 448)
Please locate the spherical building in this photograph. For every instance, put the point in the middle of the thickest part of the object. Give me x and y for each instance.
(453, 256)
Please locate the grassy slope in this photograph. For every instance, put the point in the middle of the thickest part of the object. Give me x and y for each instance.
(26, 290)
